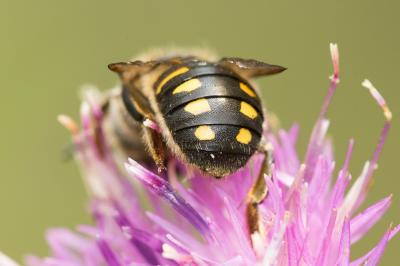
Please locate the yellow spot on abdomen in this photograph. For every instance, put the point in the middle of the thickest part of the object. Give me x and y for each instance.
(247, 89)
(244, 136)
(204, 133)
(198, 107)
(248, 110)
(172, 75)
(187, 86)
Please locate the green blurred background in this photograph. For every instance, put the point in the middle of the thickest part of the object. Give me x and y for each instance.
(48, 49)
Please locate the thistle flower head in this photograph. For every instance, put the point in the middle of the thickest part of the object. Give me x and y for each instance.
(310, 217)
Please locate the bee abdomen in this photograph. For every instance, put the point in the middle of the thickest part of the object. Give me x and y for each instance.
(216, 119)
(215, 111)
(216, 124)
(217, 149)
(206, 87)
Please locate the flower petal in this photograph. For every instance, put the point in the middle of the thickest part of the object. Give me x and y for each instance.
(344, 245)
(271, 254)
(357, 191)
(6, 261)
(373, 256)
(108, 254)
(293, 254)
(162, 188)
(364, 221)
(376, 254)
(327, 236)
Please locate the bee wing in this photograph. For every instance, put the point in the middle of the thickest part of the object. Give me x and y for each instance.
(139, 67)
(132, 67)
(249, 67)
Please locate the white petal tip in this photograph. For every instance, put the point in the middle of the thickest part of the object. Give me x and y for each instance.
(89, 87)
(85, 108)
(6, 261)
(258, 244)
(378, 98)
(68, 123)
(366, 83)
(169, 252)
(131, 162)
(151, 124)
(335, 60)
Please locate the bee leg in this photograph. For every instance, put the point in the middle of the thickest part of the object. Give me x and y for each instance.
(258, 192)
(138, 108)
(156, 147)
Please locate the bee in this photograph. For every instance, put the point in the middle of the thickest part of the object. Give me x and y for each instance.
(205, 111)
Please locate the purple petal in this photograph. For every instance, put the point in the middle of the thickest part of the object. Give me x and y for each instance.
(274, 201)
(372, 166)
(238, 229)
(378, 250)
(348, 157)
(162, 188)
(356, 192)
(182, 238)
(108, 254)
(365, 220)
(65, 244)
(344, 245)
(315, 147)
(277, 241)
(143, 241)
(292, 250)
(175, 230)
(236, 261)
(327, 235)
(343, 179)
(318, 188)
(376, 254)
(338, 191)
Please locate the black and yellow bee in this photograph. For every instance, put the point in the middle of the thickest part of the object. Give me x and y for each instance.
(202, 110)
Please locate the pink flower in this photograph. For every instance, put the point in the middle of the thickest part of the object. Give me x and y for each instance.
(310, 216)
